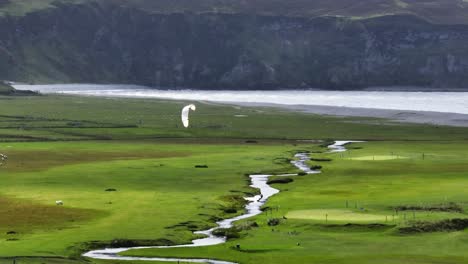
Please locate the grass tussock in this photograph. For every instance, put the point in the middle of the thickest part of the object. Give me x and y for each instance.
(116, 243)
(235, 231)
(357, 227)
(281, 180)
(449, 207)
(321, 159)
(232, 203)
(448, 225)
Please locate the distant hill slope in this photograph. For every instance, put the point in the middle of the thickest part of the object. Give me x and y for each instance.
(6, 89)
(234, 44)
(435, 11)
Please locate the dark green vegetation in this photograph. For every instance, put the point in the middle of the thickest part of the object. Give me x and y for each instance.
(237, 44)
(280, 181)
(449, 207)
(125, 170)
(437, 11)
(8, 90)
(440, 226)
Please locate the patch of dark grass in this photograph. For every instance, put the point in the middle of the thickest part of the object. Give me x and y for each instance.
(448, 225)
(116, 243)
(26, 216)
(357, 227)
(281, 160)
(240, 249)
(247, 225)
(273, 221)
(320, 159)
(201, 166)
(300, 151)
(189, 225)
(355, 148)
(449, 207)
(229, 233)
(229, 210)
(42, 260)
(280, 181)
(111, 190)
(212, 218)
(232, 204)
(316, 167)
(326, 143)
(34, 160)
(234, 199)
(235, 231)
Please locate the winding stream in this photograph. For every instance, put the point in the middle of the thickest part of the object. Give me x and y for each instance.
(252, 209)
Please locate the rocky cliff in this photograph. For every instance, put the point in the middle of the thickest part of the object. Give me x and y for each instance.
(114, 44)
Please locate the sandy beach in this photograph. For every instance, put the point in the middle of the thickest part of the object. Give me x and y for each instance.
(405, 116)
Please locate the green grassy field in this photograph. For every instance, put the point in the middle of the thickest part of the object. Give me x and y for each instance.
(71, 118)
(125, 170)
(149, 177)
(363, 194)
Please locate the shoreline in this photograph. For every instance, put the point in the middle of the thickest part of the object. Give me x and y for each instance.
(399, 116)
(425, 111)
(402, 88)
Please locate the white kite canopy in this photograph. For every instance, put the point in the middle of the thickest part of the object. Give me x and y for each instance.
(185, 114)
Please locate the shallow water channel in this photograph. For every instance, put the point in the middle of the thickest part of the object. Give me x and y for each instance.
(253, 208)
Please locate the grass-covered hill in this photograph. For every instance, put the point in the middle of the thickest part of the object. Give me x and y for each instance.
(438, 11)
(236, 44)
(6, 89)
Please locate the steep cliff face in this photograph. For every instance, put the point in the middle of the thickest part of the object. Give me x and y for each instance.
(112, 44)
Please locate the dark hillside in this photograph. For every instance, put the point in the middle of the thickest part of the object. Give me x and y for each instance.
(148, 42)
(435, 11)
